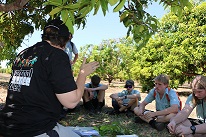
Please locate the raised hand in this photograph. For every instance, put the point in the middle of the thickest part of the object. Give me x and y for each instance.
(88, 68)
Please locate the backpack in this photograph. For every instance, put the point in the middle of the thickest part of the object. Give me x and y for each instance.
(167, 96)
(72, 44)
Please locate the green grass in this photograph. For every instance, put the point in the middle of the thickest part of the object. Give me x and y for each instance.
(111, 125)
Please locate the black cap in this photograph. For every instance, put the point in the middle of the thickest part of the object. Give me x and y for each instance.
(58, 24)
(129, 82)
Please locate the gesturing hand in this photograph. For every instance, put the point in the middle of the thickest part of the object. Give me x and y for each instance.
(88, 68)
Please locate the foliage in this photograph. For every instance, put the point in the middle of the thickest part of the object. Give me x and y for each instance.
(115, 58)
(112, 129)
(7, 70)
(132, 13)
(16, 24)
(178, 50)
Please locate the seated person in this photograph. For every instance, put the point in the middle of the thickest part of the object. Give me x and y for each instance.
(181, 125)
(94, 95)
(126, 100)
(165, 108)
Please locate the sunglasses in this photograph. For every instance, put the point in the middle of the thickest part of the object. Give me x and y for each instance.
(128, 86)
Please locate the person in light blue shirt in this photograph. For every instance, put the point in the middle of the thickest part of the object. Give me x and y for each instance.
(167, 104)
(94, 95)
(71, 49)
(181, 125)
(126, 100)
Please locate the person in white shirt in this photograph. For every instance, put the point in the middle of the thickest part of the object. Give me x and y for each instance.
(71, 48)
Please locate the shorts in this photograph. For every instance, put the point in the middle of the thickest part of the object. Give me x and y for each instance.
(59, 131)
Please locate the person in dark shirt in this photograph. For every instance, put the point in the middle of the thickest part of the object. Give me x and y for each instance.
(41, 84)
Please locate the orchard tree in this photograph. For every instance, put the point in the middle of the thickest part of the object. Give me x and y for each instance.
(178, 50)
(20, 17)
(114, 55)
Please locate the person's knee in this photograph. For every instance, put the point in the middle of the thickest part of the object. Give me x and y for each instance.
(136, 110)
(115, 104)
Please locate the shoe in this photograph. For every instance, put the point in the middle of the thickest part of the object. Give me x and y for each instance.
(99, 110)
(114, 112)
(159, 126)
(138, 120)
(99, 107)
(130, 113)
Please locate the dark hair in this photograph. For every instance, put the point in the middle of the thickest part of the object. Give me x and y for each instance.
(56, 32)
(95, 80)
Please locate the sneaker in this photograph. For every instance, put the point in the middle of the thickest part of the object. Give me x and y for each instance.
(138, 120)
(130, 113)
(159, 126)
(99, 110)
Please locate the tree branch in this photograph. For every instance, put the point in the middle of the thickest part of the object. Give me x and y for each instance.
(16, 5)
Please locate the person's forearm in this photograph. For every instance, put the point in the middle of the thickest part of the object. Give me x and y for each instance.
(172, 109)
(142, 106)
(201, 129)
(103, 87)
(181, 116)
(75, 58)
(80, 84)
(134, 96)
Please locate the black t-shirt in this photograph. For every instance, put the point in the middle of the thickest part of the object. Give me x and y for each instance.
(32, 108)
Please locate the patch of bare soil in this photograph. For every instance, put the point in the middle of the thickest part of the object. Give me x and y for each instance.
(113, 88)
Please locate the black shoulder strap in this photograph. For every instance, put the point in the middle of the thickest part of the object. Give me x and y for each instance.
(72, 44)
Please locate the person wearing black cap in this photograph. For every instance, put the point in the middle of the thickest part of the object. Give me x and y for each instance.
(41, 84)
(126, 100)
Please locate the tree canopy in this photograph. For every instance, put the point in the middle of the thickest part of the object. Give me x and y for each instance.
(20, 17)
(178, 50)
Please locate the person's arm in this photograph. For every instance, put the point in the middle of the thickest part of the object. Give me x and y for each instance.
(133, 96)
(102, 87)
(201, 129)
(183, 114)
(180, 117)
(75, 58)
(114, 96)
(72, 98)
(172, 109)
(141, 108)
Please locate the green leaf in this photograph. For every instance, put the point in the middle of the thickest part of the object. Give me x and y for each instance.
(70, 25)
(96, 7)
(52, 3)
(123, 16)
(64, 15)
(83, 12)
(55, 11)
(104, 5)
(119, 6)
(72, 6)
(113, 2)
(71, 15)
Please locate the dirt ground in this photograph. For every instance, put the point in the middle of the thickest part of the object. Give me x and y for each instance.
(116, 87)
